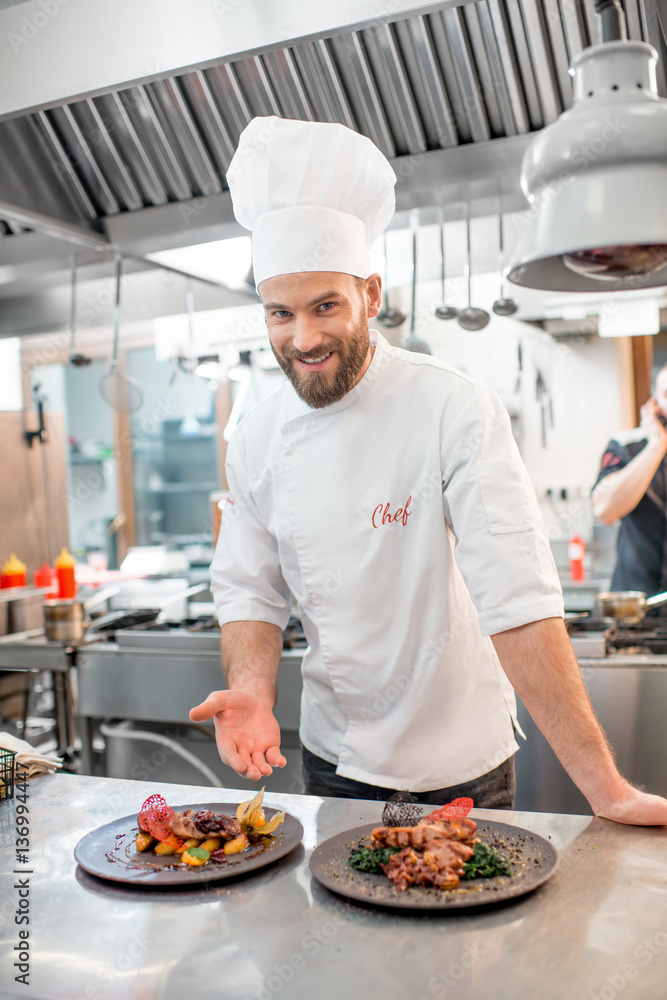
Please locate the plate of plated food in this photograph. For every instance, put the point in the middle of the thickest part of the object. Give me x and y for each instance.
(440, 861)
(193, 844)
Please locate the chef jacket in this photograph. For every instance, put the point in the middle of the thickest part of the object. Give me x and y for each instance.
(403, 522)
(641, 561)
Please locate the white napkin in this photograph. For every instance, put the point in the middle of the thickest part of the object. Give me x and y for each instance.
(36, 763)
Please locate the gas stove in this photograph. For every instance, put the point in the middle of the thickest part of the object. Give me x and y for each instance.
(187, 634)
(191, 634)
(595, 637)
(647, 636)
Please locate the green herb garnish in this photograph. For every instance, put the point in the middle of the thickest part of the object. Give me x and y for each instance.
(486, 862)
(199, 852)
(369, 859)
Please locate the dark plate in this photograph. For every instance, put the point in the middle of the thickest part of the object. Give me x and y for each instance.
(108, 852)
(532, 858)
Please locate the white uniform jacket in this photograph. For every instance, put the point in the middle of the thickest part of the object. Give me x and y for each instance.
(403, 521)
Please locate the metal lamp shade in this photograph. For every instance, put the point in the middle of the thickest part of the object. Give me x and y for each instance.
(596, 181)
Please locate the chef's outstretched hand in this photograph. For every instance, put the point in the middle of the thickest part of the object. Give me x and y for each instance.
(246, 732)
(636, 808)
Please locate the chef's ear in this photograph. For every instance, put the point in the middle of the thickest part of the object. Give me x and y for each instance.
(373, 295)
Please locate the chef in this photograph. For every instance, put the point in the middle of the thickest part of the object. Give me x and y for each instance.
(632, 486)
(382, 490)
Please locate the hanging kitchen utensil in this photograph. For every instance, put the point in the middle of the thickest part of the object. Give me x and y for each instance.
(388, 316)
(411, 342)
(120, 391)
(519, 357)
(189, 363)
(543, 397)
(443, 311)
(190, 308)
(503, 306)
(470, 318)
(76, 359)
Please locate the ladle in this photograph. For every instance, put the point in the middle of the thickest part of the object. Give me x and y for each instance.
(388, 316)
(444, 311)
(78, 360)
(411, 342)
(120, 391)
(503, 306)
(470, 318)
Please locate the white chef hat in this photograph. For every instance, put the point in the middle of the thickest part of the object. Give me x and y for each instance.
(315, 195)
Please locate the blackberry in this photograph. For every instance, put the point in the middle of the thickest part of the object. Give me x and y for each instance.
(207, 821)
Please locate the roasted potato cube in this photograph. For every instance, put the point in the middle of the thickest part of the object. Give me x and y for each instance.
(192, 842)
(195, 856)
(166, 847)
(210, 845)
(144, 841)
(236, 845)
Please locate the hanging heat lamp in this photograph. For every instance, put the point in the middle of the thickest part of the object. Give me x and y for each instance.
(596, 178)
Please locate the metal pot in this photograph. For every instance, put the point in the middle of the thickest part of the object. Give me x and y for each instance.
(64, 621)
(67, 620)
(627, 606)
(121, 618)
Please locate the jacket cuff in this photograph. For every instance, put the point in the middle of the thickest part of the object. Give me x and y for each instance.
(253, 612)
(520, 612)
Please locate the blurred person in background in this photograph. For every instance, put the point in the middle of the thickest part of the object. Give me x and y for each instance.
(632, 486)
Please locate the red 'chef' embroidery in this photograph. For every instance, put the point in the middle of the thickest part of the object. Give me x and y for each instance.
(383, 515)
(229, 500)
(609, 459)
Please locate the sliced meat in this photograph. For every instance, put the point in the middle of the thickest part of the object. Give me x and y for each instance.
(456, 829)
(183, 825)
(440, 866)
(398, 836)
(217, 824)
(204, 824)
(424, 835)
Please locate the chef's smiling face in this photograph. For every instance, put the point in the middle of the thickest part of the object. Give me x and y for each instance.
(318, 328)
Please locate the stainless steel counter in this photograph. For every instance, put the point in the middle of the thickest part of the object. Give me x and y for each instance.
(628, 692)
(162, 684)
(31, 652)
(596, 930)
(154, 685)
(616, 660)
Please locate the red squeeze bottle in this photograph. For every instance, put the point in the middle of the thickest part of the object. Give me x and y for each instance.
(65, 564)
(13, 573)
(576, 550)
(46, 579)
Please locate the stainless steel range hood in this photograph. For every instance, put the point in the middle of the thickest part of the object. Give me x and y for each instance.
(122, 118)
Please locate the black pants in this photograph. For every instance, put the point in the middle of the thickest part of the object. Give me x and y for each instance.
(494, 790)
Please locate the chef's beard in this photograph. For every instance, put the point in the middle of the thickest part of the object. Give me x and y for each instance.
(324, 388)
